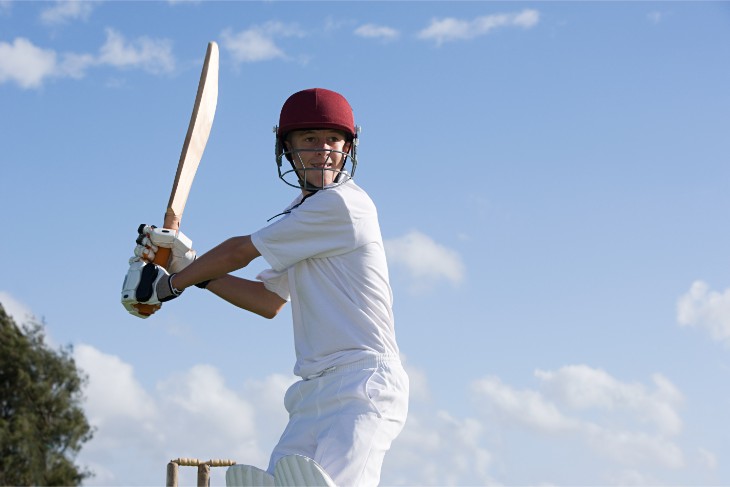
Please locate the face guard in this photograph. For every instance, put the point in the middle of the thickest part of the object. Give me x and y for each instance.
(315, 109)
(295, 174)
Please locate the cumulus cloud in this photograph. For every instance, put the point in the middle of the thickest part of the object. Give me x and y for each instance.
(528, 407)
(190, 414)
(63, 11)
(153, 55)
(372, 31)
(580, 387)
(26, 64)
(112, 392)
(450, 29)
(195, 413)
(617, 430)
(29, 66)
(436, 447)
(205, 408)
(709, 310)
(259, 42)
(425, 260)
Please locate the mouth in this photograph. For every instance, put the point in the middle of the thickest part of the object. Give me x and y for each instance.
(321, 165)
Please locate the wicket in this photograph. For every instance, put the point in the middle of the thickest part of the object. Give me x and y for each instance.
(203, 469)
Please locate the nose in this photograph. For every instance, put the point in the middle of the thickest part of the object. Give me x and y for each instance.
(323, 147)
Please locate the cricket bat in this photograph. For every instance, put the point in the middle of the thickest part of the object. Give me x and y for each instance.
(196, 139)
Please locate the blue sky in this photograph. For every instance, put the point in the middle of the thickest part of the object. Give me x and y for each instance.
(552, 182)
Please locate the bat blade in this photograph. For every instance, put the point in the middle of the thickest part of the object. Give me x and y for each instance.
(196, 138)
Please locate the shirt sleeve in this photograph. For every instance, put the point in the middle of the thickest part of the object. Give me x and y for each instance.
(276, 282)
(321, 227)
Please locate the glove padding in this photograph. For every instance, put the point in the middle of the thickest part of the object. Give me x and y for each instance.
(146, 284)
(151, 238)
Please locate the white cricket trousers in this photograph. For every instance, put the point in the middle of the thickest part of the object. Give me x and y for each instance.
(346, 419)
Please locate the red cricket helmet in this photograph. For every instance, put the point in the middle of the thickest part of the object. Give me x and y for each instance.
(315, 108)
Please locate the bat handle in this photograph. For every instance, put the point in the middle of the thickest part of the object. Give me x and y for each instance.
(172, 222)
(146, 309)
(162, 256)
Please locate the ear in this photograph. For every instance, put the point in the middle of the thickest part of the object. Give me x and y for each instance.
(286, 148)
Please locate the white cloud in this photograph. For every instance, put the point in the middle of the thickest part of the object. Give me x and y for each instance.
(129, 424)
(616, 435)
(580, 387)
(112, 391)
(251, 46)
(29, 66)
(451, 29)
(196, 414)
(527, 407)
(709, 310)
(17, 310)
(153, 55)
(67, 10)
(74, 65)
(258, 43)
(426, 261)
(381, 32)
(435, 447)
(26, 64)
(192, 414)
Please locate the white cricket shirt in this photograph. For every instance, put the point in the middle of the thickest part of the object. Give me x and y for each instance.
(327, 256)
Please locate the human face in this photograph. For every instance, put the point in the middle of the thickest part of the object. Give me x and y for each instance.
(318, 155)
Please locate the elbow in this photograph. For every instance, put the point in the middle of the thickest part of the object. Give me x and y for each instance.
(270, 312)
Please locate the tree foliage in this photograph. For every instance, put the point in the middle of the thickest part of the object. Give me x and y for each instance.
(42, 424)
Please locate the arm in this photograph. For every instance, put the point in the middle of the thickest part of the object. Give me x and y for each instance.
(233, 254)
(249, 295)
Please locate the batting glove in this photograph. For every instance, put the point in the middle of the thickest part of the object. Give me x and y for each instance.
(151, 238)
(146, 284)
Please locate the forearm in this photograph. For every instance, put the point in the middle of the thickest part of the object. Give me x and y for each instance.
(249, 295)
(233, 254)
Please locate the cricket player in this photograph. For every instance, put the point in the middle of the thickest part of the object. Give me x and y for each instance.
(326, 256)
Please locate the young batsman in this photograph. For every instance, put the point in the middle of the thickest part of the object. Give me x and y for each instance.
(327, 257)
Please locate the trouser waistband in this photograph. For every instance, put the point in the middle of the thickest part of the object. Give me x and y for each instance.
(371, 362)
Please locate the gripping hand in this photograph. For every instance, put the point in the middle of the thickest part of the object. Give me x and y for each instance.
(151, 238)
(146, 287)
